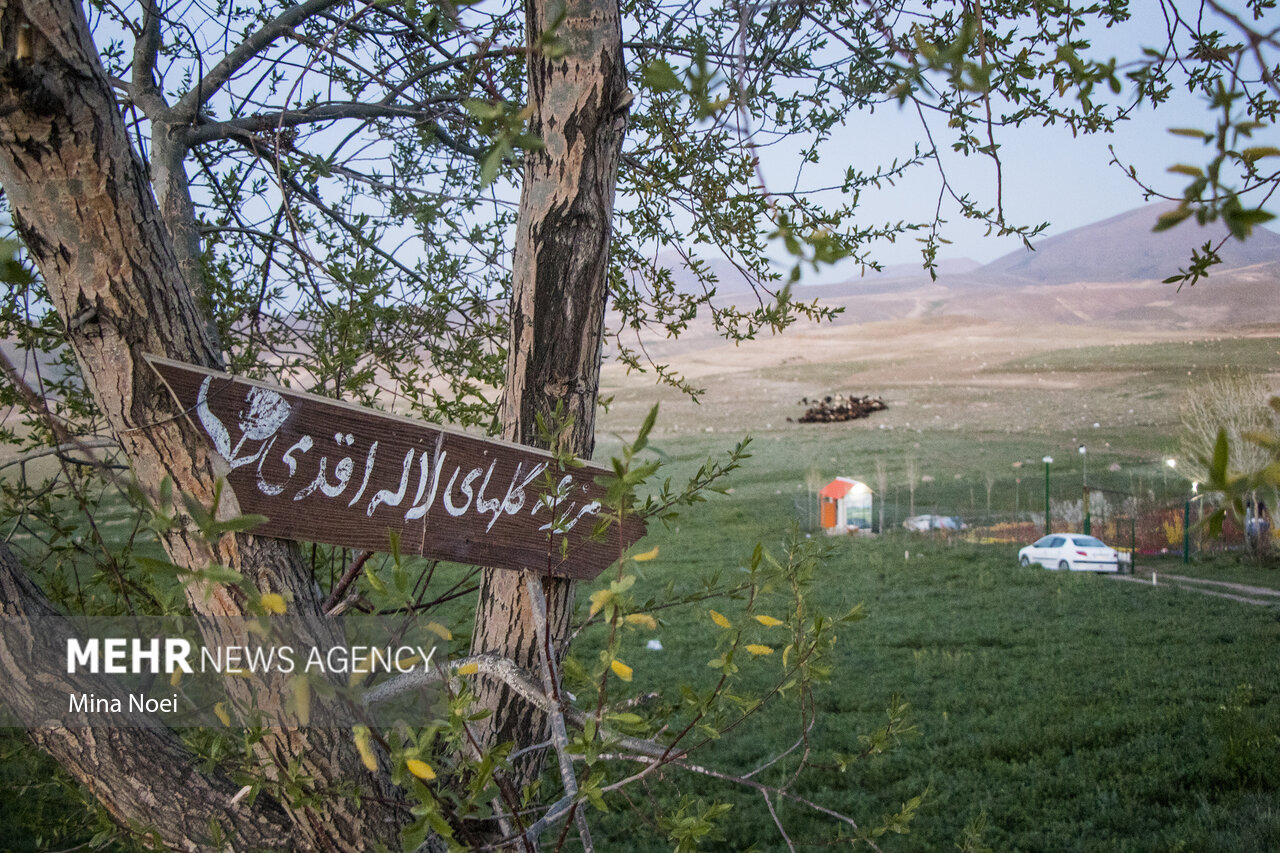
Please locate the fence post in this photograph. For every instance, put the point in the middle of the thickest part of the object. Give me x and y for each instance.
(1047, 526)
(1186, 531)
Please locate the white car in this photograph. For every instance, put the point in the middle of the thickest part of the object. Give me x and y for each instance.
(1073, 552)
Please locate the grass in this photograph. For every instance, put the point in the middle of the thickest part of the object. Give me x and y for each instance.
(1052, 711)
(1178, 357)
(1067, 712)
(1228, 567)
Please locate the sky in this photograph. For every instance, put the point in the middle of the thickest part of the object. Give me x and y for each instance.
(1047, 174)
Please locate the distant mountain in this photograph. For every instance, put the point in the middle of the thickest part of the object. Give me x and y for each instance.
(1124, 248)
(1109, 272)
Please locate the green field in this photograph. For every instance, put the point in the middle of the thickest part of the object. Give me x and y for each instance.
(1066, 712)
(1054, 712)
(1048, 711)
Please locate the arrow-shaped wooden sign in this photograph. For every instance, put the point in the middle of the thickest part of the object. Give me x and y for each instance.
(326, 471)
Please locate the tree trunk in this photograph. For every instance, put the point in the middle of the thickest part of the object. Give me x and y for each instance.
(138, 769)
(84, 207)
(579, 105)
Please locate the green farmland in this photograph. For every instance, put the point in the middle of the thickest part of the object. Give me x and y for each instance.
(1060, 712)
(1043, 711)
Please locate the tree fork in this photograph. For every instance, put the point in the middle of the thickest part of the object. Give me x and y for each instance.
(578, 98)
(85, 209)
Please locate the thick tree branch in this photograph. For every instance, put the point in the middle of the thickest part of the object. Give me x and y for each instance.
(145, 50)
(243, 128)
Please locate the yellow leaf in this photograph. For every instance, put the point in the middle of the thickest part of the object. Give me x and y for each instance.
(421, 769)
(621, 670)
(440, 631)
(719, 619)
(220, 711)
(273, 602)
(469, 668)
(642, 619)
(302, 698)
(599, 599)
(785, 654)
(176, 678)
(362, 746)
(359, 672)
(757, 649)
(768, 621)
(646, 556)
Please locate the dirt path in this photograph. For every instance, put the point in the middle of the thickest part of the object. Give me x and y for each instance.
(1237, 591)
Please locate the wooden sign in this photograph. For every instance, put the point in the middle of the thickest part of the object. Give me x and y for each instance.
(326, 471)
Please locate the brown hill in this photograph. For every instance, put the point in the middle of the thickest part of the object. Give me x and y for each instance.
(1124, 248)
(1110, 272)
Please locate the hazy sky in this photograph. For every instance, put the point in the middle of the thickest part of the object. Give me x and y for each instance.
(1048, 174)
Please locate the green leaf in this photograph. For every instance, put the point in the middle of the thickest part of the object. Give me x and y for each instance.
(1257, 152)
(1167, 220)
(240, 524)
(221, 574)
(659, 76)
(1192, 132)
(201, 516)
(483, 110)
(1242, 221)
(1221, 456)
(374, 580)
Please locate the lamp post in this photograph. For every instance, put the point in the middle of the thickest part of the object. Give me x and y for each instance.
(1186, 523)
(1048, 460)
(1084, 474)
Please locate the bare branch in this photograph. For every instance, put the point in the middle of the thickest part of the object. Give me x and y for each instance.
(551, 684)
(189, 106)
(82, 444)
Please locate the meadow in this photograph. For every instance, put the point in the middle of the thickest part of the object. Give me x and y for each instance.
(1051, 711)
(1045, 711)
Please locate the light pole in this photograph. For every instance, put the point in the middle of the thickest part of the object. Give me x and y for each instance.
(1048, 460)
(1186, 522)
(1084, 473)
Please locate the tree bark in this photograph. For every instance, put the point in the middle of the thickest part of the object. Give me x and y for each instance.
(85, 210)
(579, 101)
(139, 770)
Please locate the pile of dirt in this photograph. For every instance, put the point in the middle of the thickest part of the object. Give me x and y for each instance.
(832, 409)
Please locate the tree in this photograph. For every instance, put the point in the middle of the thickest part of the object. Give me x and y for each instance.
(1226, 442)
(248, 206)
(1235, 402)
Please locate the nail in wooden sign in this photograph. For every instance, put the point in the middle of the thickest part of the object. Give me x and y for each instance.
(326, 471)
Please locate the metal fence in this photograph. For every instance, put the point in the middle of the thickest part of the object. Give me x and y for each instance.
(1125, 522)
